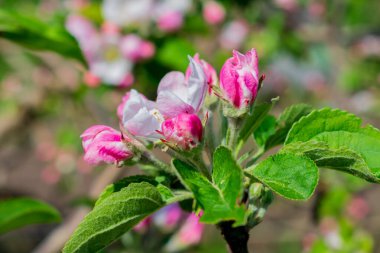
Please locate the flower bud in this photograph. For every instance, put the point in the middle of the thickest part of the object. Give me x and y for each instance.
(170, 21)
(209, 71)
(213, 12)
(184, 130)
(189, 234)
(239, 79)
(104, 144)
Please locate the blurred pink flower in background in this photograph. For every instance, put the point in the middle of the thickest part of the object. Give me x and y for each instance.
(287, 5)
(143, 226)
(233, 34)
(109, 55)
(168, 14)
(358, 208)
(168, 217)
(213, 12)
(189, 234)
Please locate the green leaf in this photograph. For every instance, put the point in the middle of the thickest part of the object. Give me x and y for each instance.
(254, 120)
(32, 33)
(340, 130)
(284, 123)
(218, 198)
(265, 130)
(324, 120)
(20, 212)
(341, 159)
(113, 217)
(122, 183)
(291, 176)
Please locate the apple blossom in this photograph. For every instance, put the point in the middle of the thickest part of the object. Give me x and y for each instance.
(109, 55)
(104, 144)
(213, 12)
(139, 116)
(177, 94)
(239, 78)
(184, 130)
(211, 76)
(135, 48)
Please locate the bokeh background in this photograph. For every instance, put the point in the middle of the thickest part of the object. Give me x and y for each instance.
(320, 52)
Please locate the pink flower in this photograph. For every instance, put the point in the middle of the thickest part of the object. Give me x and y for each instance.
(239, 78)
(168, 217)
(177, 94)
(211, 76)
(358, 208)
(234, 34)
(170, 21)
(104, 144)
(184, 130)
(143, 225)
(139, 116)
(189, 234)
(213, 12)
(102, 51)
(135, 48)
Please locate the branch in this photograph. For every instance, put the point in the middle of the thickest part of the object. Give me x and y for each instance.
(236, 238)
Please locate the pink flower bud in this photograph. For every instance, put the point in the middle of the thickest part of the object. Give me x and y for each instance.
(210, 73)
(184, 130)
(189, 234)
(168, 217)
(213, 12)
(143, 225)
(170, 21)
(104, 144)
(91, 80)
(239, 78)
(135, 48)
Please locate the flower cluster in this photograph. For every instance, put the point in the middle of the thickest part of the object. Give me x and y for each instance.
(178, 116)
(110, 56)
(167, 14)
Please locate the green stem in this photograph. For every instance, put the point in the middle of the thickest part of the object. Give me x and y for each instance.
(149, 158)
(232, 133)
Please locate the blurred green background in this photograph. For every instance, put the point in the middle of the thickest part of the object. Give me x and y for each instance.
(324, 53)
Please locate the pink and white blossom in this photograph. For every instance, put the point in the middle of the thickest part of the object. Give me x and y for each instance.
(213, 12)
(189, 234)
(169, 14)
(110, 56)
(234, 34)
(210, 72)
(184, 130)
(168, 217)
(139, 116)
(135, 48)
(104, 144)
(127, 12)
(177, 94)
(239, 78)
